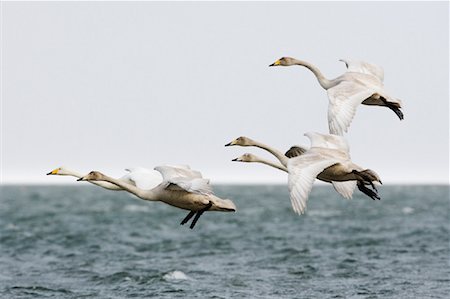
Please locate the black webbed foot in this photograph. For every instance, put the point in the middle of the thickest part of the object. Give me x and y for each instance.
(367, 191)
(199, 213)
(394, 107)
(187, 218)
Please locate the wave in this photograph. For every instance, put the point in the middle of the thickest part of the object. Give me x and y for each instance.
(176, 275)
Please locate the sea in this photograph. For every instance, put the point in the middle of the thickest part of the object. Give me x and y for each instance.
(81, 241)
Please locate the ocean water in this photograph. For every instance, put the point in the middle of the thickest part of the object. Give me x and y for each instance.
(86, 242)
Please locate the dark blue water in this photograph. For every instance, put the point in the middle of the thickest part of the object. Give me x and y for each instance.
(86, 242)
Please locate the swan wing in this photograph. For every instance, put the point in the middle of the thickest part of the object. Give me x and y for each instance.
(189, 180)
(169, 171)
(295, 151)
(143, 178)
(196, 185)
(303, 170)
(329, 141)
(345, 188)
(363, 67)
(344, 99)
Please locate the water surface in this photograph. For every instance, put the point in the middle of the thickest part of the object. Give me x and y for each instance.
(86, 242)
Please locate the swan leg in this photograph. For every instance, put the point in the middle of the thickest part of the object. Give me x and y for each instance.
(367, 191)
(367, 178)
(199, 213)
(187, 218)
(394, 108)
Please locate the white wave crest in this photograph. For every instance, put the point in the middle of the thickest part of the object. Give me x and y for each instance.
(176, 275)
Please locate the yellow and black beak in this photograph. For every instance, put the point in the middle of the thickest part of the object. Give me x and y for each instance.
(278, 62)
(55, 171)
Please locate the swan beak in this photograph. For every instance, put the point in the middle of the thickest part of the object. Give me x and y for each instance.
(276, 63)
(234, 160)
(81, 179)
(229, 144)
(55, 171)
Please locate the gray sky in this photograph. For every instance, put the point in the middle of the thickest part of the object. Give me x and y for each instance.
(107, 86)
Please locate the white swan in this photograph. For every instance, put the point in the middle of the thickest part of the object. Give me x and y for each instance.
(181, 187)
(142, 178)
(329, 157)
(345, 189)
(334, 164)
(361, 84)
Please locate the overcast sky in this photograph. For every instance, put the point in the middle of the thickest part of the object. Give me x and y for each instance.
(107, 86)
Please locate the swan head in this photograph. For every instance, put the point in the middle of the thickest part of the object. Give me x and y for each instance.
(241, 141)
(284, 61)
(60, 171)
(92, 176)
(246, 158)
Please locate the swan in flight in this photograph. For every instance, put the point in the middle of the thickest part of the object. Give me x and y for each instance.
(345, 189)
(181, 187)
(361, 84)
(329, 157)
(142, 178)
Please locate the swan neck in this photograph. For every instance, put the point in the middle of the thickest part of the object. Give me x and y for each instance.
(272, 164)
(324, 82)
(105, 185)
(279, 155)
(144, 194)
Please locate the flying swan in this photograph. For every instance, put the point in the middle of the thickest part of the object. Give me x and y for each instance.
(361, 84)
(345, 189)
(183, 188)
(329, 157)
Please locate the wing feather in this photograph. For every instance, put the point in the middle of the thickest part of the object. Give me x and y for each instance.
(184, 178)
(345, 188)
(143, 178)
(303, 170)
(344, 99)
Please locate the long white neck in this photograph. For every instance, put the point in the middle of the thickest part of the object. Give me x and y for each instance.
(324, 82)
(270, 163)
(144, 194)
(105, 185)
(280, 156)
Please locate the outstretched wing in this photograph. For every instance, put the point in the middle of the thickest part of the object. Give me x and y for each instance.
(143, 178)
(168, 172)
(345, 188)
(344, 99)
(295, 151)
(363, 67)
(176, 178)
(303, 170)
(329, 141)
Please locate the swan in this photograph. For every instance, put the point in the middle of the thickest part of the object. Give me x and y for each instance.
(361, 84)
(345, 189)
(142, 178)
(181, 187)
(328, 157)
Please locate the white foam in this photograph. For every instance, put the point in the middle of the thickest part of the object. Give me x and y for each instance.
(176, 275)
(407, 210)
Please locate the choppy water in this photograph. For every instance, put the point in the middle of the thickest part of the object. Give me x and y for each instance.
(86, 242)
